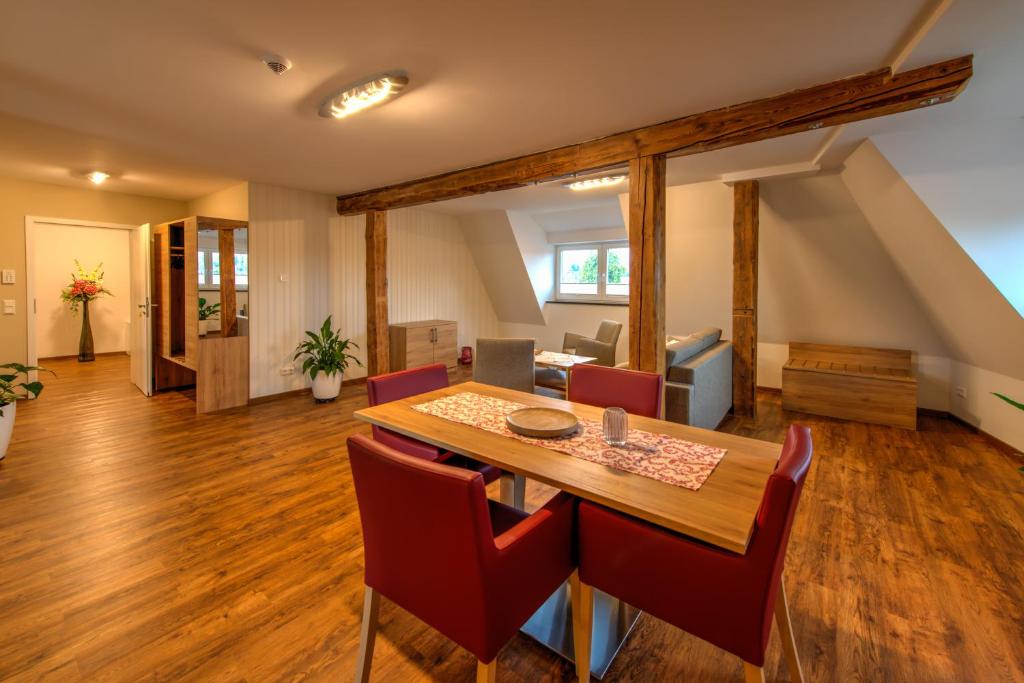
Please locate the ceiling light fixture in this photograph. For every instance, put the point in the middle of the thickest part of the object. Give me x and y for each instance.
(594, 183)
(361, 97)
(97, 177)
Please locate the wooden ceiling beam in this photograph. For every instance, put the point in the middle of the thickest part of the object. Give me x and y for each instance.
(867, 96)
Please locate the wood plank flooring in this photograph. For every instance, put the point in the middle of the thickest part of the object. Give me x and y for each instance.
(141, 542)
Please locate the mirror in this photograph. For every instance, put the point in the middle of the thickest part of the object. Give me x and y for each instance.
(223, 272)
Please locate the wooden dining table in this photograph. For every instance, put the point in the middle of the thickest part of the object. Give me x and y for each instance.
(720, 513)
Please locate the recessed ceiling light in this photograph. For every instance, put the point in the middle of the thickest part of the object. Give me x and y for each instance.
(97, 177)
(594, 183)
(360, 97)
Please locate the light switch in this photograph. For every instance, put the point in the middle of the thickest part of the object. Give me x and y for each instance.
(9, 307)
(8, 276)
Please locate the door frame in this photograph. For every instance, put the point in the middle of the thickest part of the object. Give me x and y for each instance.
(31, 225)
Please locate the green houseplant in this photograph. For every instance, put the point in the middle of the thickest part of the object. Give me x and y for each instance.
(206, 313)
(326, 359)
(13, 389)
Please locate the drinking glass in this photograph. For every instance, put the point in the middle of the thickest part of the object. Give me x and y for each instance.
(616, 426)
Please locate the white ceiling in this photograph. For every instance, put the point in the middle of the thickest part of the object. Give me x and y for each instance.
(172, 95)
(180, 83)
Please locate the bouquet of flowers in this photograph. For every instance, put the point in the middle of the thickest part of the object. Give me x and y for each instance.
(86, 285)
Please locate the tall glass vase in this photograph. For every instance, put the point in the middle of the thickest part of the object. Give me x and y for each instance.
(85, 348)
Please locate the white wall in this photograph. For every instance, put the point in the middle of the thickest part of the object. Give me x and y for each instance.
(231, 202)
(288, 280)
(56, 248)
(431, 274)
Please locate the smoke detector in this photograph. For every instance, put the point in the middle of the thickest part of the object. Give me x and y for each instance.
(277, 63)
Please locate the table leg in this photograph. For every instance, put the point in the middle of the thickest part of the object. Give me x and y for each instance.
(513, 490)
(613, 620)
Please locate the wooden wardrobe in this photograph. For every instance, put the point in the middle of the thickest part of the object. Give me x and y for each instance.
(217, 363)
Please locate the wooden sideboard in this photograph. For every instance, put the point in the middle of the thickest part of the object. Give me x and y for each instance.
(424, 342)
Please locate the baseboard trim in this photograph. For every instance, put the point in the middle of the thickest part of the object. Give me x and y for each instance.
(75, 355)
(297, 392)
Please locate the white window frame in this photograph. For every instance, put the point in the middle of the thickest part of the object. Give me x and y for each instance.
(207, 285)
(602, 275)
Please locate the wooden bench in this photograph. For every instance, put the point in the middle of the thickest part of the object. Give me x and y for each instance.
(850, 382)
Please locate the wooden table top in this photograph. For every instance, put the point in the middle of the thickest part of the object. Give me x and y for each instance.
(560, 361)
(721, 513)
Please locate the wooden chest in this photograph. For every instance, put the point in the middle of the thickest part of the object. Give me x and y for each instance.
(851, 382)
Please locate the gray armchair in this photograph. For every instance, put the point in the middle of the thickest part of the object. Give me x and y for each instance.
(505, 363)
(601, 345)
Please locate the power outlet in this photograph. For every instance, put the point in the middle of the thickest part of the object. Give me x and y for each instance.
(961, 392)
(288, 370)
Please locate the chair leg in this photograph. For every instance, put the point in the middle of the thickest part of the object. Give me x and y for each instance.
(367, 634)
(753, 674)
(786, 634)
(582, 597)
(486, 673)
(513, 490)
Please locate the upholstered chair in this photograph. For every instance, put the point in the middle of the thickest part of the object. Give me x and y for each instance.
(601, 345)
(505, 363)
(719, 596)
(403, 384)
(635, 392)
(434, 545)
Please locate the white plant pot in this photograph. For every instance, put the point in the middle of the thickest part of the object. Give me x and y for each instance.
(326, 387)
(6, 427)
(204, 327)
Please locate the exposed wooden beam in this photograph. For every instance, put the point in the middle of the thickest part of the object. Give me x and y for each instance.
(377, 343)
(869, 95)
(744, 298)
(647, 264)
(228, 292)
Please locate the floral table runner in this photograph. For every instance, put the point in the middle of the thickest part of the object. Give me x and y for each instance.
(656, 456)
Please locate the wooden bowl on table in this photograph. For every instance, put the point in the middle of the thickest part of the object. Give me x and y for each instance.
(545, 423)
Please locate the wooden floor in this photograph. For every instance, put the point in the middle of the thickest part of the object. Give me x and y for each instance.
(141, 542)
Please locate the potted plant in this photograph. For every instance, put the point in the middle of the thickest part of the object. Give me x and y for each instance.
(206, 313)
(9, 394)
(326, 359)
(85, 286)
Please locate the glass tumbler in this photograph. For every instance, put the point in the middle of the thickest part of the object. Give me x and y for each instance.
(616, 426)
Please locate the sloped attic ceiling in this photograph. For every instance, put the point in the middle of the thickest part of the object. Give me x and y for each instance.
(978, 323)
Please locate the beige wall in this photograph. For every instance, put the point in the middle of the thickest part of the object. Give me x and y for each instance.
(56, 249)
(231, 202)
(19, 198)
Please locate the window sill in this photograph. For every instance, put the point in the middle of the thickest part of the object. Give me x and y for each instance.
(585, 302)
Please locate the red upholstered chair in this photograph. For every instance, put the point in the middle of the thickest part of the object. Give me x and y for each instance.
(719, 596)
(405, 383)
(472, 568)
(635, 392)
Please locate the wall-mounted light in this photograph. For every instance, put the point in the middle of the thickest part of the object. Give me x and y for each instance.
(594, 183)
(97, 177)
(361, 97)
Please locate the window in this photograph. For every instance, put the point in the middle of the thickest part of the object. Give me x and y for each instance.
(209, 270)
(592, 272)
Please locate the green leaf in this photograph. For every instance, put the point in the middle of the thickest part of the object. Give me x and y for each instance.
(34, 388)
(1009, 400)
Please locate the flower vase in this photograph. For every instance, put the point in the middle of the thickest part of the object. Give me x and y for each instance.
(85, 347)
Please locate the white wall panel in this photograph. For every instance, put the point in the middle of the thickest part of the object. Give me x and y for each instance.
(431, 274)
(288, 280)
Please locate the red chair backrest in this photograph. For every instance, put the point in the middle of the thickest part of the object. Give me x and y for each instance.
(402, 384)
(767, 550)
(427, 535)
(635, 392)
(405, 383)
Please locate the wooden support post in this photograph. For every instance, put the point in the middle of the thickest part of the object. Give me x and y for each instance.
(744, 298)
(647, 263)
(228, 293)
(377, 343)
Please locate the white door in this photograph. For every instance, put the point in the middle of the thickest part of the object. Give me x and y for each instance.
(141, 344)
